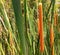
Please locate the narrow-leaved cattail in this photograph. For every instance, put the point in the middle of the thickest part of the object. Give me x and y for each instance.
(40, 16)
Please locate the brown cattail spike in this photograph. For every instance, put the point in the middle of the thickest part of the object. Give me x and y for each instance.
(40, 15)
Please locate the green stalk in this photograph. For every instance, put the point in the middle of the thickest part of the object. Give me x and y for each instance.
(25, 18)
(26, 33)
(20, 24)
(49, 9)
(52, 11)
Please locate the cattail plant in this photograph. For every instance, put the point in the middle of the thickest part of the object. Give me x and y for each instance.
(24, 39)
(40, 15)
(51, 36)
(52, 51)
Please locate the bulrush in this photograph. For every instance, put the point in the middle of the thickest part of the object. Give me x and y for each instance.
(51, 35)
(40, 16)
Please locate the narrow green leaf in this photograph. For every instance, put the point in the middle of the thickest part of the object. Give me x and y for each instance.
(20, 24)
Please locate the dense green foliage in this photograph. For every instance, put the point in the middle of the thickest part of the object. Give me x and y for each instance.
(19, 29)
